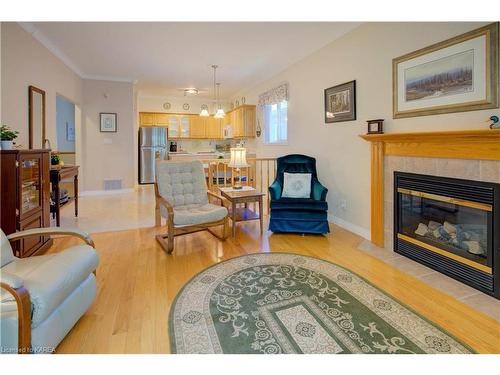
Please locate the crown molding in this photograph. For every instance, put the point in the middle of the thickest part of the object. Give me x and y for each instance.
(30, 28)
(108, 78)
(166, 96)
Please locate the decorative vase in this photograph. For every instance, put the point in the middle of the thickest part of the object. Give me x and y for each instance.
(7, 145)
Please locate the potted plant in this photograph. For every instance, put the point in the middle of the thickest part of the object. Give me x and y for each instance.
(55, 159)
(7, 137)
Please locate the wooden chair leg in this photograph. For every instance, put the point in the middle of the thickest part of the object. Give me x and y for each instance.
(166, 242)
(157, 217)
(225, 228)
(170, 233)
(170, 244)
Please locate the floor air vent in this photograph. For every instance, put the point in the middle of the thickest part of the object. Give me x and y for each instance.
(112, 184)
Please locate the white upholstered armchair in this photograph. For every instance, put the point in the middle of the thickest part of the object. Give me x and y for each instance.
(182, 199)
(42, 297)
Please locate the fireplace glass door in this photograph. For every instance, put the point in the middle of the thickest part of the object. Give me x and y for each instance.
(451, 227)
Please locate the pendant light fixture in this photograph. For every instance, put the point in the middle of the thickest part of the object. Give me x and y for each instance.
(204, 112)
(220, 112)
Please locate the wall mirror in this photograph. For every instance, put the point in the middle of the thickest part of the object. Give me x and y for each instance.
(36, 117)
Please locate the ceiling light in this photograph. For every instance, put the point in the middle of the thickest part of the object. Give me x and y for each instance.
(204, 113)
(190, 91)
(220, 113)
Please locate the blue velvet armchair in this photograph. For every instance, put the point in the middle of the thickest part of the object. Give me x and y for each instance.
(298, 215)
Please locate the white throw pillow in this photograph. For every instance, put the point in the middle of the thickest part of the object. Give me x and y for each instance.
(296, 185)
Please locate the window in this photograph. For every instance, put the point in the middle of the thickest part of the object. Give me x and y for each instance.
(273, 106)
(276, 122)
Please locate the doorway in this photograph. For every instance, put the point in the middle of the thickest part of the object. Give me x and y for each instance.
(66, 136)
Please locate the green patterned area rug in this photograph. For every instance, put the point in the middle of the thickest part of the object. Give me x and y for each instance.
(287, 303)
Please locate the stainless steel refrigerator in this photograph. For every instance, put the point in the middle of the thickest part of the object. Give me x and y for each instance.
(153, 143)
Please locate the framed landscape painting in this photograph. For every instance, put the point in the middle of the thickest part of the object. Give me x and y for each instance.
(340, 102)
(459, 74)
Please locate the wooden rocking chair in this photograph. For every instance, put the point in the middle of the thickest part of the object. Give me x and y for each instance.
(183, 200)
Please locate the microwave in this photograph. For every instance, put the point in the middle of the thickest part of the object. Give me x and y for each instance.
(227, 131)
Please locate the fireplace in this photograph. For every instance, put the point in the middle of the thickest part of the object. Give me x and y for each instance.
(450, 225)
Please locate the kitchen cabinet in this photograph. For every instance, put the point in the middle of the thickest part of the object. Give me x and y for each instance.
(146, 119)
(198, 126)
(161, 119)
(213, 128)
(242, 119)
(250, 119)
(152, 119)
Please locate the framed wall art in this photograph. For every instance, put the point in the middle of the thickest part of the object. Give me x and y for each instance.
(70, 132)
(108, 122)
(456, 75)
(340, 103)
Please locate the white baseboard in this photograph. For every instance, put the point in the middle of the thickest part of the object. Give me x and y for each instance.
(360, 231)
(104, 192)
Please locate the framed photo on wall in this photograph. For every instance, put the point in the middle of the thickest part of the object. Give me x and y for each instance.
(340, 103)
(70, 132)
(108, 122)
(456, 75)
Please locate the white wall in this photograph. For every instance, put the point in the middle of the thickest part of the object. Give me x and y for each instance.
(147, 103)
(108, 155)
(365, 54)
(26, 62)
(0, 71)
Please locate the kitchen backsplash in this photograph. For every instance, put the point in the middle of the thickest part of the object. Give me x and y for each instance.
(202, 145)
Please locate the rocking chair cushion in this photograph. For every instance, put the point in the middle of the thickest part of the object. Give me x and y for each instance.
(197, 214)
(182, 183)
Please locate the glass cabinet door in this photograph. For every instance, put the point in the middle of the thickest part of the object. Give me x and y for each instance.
(173, 127)
(185, 126)
(31, 189)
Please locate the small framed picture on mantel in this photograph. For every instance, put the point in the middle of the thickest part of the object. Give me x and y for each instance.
(340, 103)
(375, 126)
(108, 122)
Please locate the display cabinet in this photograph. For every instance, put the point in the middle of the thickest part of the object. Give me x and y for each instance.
(25, 197)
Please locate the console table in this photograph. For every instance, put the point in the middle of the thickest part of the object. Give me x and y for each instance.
(58, 174)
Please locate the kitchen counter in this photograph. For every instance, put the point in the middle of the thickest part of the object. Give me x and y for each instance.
(185, 156)
(182, 155)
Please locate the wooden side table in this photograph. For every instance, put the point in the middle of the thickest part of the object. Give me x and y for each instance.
(243, 213)
(57, 174)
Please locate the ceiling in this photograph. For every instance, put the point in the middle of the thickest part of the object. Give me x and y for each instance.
(165, 56)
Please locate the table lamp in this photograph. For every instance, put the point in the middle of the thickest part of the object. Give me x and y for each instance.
(238, 160)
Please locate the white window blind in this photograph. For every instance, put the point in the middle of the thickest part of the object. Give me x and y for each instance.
(274, 108)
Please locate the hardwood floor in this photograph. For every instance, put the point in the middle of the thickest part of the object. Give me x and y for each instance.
(137, 282)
